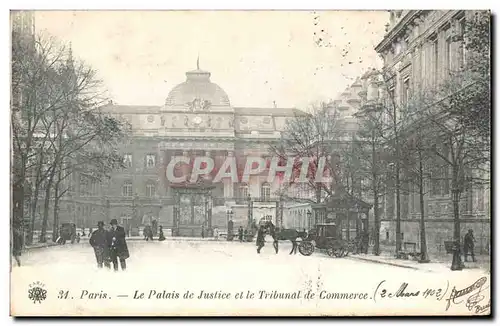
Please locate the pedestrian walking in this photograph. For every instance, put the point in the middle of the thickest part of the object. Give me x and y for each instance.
(203, 231)
(240, 234)
(99, 241)
(469, 245)
(118, 249)
(161, 236)
(216, 233)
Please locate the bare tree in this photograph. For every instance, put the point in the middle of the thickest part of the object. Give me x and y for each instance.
(370, 153)
(416, 156)
(458, 116)
(312, 139)
(58, 121)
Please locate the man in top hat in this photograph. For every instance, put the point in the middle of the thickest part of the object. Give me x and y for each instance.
(469, 245)
(99, 241)
(118, 249)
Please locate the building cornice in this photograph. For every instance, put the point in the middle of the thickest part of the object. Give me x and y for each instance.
(397, 29)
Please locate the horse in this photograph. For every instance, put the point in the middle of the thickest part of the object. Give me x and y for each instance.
(267, 228)
(292, 235)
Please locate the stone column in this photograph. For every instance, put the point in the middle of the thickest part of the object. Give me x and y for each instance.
(186, 169)
(208, 177)
(228, 183)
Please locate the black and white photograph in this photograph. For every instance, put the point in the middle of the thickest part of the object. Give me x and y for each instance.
(250, 163)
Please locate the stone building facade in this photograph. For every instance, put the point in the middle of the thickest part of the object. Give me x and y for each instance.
(197, 119)
(420, 50)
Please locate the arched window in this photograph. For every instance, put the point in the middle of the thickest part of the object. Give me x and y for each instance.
(150, 160)
(265, 191)
(127, 189)
(150, 189)
(127, 160)
(243, 191)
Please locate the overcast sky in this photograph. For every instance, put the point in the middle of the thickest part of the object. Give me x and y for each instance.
(291, 57)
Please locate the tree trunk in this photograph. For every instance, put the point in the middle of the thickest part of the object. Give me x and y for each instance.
(398, 210)
(55, 229)
(34, 203)
(45, 220)
(455, 195)
(18, 203)
(19, 176)
(456, 216)
(376, 246)
(424, 258)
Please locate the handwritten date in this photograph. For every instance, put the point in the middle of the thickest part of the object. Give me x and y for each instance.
(404, 290)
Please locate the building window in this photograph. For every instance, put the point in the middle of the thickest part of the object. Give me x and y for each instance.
(265, 192)
(440, 185)
(435, 61)
(406, 90)
(386, 235)
(462, 51)
(448, 52)
(480, 198)
(150, 190)
(127, 189)
(150, 160)
(392, 94)
(243, 191)
(127, 160)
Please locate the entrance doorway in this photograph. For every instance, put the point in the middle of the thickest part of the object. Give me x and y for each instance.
(192, 210)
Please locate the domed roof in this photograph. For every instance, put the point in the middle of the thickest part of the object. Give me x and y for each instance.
(197, 87)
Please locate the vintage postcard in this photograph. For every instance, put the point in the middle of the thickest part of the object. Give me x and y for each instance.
(250, 163)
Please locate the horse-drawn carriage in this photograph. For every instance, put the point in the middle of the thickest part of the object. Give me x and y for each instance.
(325, 237)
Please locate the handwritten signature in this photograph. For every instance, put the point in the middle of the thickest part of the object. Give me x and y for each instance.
(472, 302)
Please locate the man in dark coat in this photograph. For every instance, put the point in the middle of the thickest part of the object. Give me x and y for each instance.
(99, 241)
(161, 236)
(240, 234)
(469, 245)
(261, 234)
(118, 249)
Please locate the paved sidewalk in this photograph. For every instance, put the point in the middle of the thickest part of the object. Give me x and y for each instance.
(436, 265)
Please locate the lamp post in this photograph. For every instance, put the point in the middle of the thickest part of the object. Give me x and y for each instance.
(229, 214)
(230, 225)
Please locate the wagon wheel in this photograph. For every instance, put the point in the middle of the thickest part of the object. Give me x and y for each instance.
(339, 252)
(330, 251)
(306, 248)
